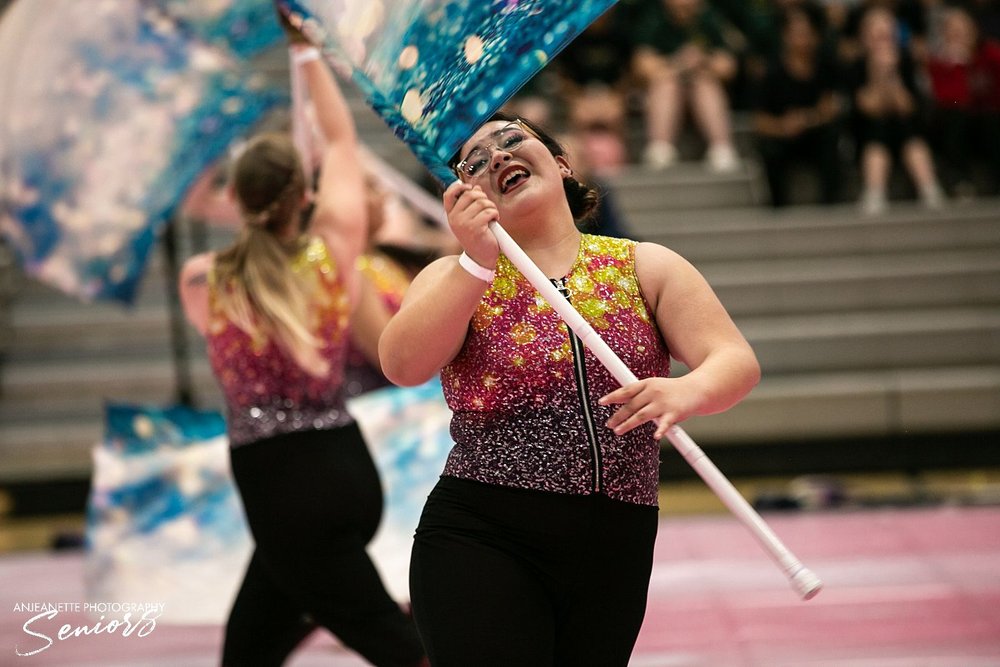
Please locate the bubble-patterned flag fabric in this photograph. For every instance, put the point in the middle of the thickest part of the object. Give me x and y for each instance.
(434, 70)
(164, 519)
(109, 111)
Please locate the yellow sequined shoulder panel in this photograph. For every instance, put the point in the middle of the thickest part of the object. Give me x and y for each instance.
(389, 279)
(622, 250)
(315, 253)
(603, 283)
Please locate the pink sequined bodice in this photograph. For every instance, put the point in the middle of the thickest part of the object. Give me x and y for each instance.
(524, 393)
(267, 393)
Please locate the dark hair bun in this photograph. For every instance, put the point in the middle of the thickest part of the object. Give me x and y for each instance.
(583, 199)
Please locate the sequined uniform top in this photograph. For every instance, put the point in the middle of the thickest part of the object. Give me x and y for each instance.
(524, 392)
(390, 283)
(267, 393)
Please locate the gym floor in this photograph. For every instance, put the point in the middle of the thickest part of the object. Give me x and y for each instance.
(911, 570)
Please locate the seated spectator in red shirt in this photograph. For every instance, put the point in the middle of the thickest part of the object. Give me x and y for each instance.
(965, 82)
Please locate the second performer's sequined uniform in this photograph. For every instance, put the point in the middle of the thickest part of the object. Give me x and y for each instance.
(267, 393)
(308, 485)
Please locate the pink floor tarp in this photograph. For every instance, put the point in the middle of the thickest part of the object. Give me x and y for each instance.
(903, 588)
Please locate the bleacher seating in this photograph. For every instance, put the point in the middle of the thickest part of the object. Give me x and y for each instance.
(871, 328)
(865, 327)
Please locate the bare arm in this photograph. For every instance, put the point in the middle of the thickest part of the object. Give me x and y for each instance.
(795, 121)
(770, 125)
(698, 332)
(340, 216)
(193, 285)
(368, 321)
(722, 65)
(649, 66)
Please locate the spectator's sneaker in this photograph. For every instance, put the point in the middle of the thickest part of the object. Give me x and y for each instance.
(660, 155)
(873, 202)
(722, 159)
(932, 197)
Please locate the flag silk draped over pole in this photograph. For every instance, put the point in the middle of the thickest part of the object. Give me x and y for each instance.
(435, 70)
(109, 111)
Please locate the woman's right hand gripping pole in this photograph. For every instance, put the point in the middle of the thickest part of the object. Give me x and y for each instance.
(470, 212)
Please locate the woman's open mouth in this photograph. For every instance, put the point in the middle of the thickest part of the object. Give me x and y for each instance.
(511, 178)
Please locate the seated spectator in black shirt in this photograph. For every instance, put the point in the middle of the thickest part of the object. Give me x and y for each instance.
(910, 31)
(797, 108)
(683, 59)
(593, 76)
(761, 22)
(887, 115)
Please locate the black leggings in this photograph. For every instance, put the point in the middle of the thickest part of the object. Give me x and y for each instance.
(313, 501)
(502, 576)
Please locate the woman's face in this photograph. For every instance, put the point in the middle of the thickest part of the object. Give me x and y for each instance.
(683, 11)
(799, 34)
(878, 29)
(958, 30)
(512, 166)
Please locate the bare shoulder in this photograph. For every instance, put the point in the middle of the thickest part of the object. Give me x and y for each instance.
(654, 254)
(429, 276)
(194, 291)
(196, 268)
(659, 268)
(654, 260)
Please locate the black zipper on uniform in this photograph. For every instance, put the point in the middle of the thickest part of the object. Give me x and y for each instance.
(582, 390)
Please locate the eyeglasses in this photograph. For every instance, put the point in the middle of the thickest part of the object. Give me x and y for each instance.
(508, 139)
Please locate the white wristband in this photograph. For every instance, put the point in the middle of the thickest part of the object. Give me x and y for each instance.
(475, 269)
(302, 56)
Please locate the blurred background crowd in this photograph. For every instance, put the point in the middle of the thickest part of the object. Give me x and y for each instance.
(854, 91)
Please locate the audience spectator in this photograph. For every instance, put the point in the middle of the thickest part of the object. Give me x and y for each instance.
(986, 15)
(797, 109)
(682, 59)
(910, 29)
(534, 100)
(760, 24)
(887, 114)
(686, 55)
(593, 74)
(964, 72)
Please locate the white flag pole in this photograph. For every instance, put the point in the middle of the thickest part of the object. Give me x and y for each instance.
(801, 578)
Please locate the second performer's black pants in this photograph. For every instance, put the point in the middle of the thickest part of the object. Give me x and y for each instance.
(313, 502)
(502, 577)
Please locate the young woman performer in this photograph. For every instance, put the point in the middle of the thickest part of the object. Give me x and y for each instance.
(535, 547)
(275, 309)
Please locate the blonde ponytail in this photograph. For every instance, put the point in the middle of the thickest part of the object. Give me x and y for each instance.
(259, 290)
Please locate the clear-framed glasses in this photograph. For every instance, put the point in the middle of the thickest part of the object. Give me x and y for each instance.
(508, 139)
